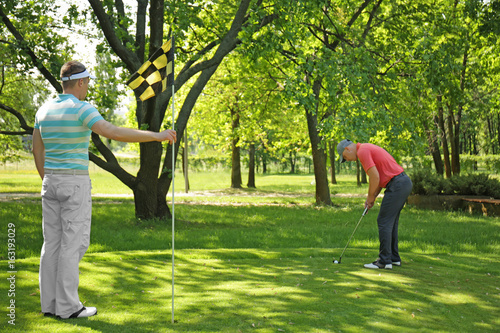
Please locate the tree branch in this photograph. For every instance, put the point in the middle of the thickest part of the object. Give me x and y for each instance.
(369, 23)
(15, 133)
(227, 44)
(111, 164)
(140, 30)
(22, 122)
(361, 8)
(23, 45)
(130, 59)
(188, 71)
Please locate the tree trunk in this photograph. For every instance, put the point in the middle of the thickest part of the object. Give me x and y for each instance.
(457, 121)
(444, 141)
(455, 163)
(251, 166)
(293, 161)
(491, 136)
(363, 176)
(358, 174)
(498, 130)
(318, 154)
(185, 163)
(145, 199)
(333, 149)
(434, 146)
(235, 151)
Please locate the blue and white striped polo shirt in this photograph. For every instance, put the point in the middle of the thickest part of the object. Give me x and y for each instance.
(64, 124)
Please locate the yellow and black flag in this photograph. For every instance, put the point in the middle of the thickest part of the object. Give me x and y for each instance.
(155, 74)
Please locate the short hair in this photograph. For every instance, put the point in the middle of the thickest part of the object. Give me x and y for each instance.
(70, 68)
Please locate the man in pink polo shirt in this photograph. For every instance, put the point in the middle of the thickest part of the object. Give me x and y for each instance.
(383, 172)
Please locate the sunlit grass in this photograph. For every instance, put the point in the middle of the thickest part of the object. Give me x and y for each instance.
(260, 260)
(268, 291)
(22, 178)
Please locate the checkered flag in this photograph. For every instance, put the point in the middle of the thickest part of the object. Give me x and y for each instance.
(155, 74)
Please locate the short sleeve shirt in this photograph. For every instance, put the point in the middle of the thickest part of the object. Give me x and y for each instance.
(65, 126)
(372, 155)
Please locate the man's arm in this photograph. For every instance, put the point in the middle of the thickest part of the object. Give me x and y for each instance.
(38, 152)
(374, 188)
(124, 134)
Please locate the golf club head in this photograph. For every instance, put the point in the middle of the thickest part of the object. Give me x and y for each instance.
(337, 262)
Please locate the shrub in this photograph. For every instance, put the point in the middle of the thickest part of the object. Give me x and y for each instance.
(427, 183)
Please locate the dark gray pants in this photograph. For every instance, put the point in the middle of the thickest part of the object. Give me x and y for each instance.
(395, 195)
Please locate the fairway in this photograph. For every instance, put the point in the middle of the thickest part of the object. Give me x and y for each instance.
(271, 291)
(261, 261)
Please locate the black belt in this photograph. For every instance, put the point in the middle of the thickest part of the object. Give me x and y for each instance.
(397, 176)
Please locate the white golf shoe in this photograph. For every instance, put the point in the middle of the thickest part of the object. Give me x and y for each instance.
(83, 313)
(377, 265)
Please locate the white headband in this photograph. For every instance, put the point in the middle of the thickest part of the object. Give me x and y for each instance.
(80, 75)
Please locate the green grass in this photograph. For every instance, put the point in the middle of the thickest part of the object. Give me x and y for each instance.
(23, 178)
(261, 261)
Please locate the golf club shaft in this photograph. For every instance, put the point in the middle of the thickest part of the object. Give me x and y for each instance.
(353, 233)
(366, 209)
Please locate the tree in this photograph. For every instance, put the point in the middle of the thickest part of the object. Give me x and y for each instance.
(457, 74)
(240, 109)
(331, 65)
(21, 86)
(206, 33)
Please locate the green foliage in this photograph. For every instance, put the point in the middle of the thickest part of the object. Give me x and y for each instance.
(38, 24)
(104, 91)
(251, 92)
(10, 147)
(469, 163)
(427, 183)
(490, 23)
(209, 162)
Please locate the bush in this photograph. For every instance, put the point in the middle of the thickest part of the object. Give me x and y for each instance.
(427, 183)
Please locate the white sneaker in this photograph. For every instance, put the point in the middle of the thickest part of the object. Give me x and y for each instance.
(396, 263)
(84, 312)
(377, 265)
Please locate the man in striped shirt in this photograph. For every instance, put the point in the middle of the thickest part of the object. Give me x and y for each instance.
(60, 148)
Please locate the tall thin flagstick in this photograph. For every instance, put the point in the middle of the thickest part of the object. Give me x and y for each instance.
(173, 177)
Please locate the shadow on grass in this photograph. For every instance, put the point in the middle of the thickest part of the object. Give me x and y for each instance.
(284, 280)
(292, 290)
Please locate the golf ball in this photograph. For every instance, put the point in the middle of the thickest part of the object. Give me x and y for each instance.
(335, 262)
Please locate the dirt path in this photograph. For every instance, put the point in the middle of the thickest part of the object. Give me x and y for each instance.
(185, 196)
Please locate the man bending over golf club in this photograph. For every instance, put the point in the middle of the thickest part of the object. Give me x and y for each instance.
(383, 172)
(61, 151)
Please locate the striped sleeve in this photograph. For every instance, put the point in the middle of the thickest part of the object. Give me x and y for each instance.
(89, 115)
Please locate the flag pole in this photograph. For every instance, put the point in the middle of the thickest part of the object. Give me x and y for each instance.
(173, 178)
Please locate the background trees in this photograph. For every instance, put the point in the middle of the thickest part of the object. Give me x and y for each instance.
(206, 33)
(269, 79)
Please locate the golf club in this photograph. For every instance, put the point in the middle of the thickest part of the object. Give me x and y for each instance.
(340, 259)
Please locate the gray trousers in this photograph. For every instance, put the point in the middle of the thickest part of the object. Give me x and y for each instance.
(67, 211)
(395, 195)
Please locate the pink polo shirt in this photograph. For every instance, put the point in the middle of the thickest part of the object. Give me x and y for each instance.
(371, 155)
